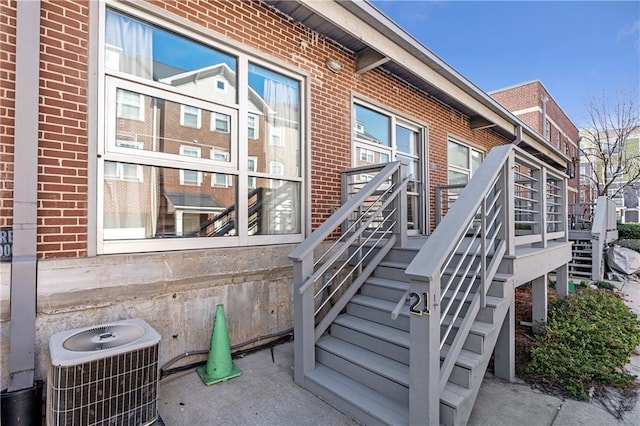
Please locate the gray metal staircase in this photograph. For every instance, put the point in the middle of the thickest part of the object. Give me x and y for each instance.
(581, 259)
(362, 361)
(594, 227)
(394, 335)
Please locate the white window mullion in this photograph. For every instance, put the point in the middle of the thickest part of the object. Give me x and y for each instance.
(242, 151)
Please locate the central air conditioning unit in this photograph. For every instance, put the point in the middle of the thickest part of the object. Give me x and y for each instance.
(104, 375)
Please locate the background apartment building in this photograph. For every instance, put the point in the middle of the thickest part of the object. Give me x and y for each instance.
(533, 104)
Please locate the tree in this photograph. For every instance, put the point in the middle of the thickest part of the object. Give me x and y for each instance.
(612, 127)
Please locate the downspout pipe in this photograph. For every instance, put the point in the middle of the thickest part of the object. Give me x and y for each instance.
(25, 197)
(518, 139)
(545, 99)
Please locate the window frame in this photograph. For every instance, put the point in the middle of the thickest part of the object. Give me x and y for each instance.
(468, 171)
(238, 108)
(359, 143)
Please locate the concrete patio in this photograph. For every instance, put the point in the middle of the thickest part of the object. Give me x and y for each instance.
(265, 394)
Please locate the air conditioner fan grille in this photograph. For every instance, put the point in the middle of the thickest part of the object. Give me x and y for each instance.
(103, 337)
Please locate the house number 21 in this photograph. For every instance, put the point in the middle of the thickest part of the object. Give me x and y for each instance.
(419, 304)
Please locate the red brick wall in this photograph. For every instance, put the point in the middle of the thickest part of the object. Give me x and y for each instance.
(522, 97)
(63, 121)
(7, 107)
(62, 153)
(529, 95)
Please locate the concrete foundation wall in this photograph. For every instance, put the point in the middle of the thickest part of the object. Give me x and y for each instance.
(175, 292)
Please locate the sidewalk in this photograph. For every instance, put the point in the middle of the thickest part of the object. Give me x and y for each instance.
(265, 394)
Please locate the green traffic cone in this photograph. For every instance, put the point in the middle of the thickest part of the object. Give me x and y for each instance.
(219, 367)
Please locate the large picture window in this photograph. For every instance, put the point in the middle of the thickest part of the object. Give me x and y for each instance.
(175, 138)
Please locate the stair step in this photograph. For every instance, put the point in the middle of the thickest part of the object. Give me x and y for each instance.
(389, 377)
(465, 366)
(466, 359)
(388, 341)
(354, 399)
(394, 264)
(392, 271)
(487, 314)
(384, 288)
(404, 255)
(377, 310)
(388, 334)
(451, 399)
(384, 366)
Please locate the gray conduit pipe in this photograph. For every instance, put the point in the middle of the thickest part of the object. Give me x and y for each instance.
(25, 197)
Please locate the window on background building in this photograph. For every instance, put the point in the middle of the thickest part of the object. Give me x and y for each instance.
(190, 177)
(130, 105)
(253, 127)
(190, 116)
(220, 179)
(252, 166)
(547, 131)
(380, 136)
(220, 122)
(367, 156)
(160, 89)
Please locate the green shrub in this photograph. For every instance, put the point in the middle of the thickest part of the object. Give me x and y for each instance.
(629, 230)
(633, 244)
(587, 341)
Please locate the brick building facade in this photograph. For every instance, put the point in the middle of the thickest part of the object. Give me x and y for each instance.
(90, 270)
(532, 103)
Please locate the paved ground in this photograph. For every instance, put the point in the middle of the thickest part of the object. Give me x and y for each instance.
(265, 394)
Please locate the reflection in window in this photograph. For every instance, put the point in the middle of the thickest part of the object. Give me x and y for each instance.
(193, 126)
(375, 126)
(122, 171)
(273, 208)
(190, 177)
(252, 165)
(366, 155)
(220, 122)
(150, 52)
(161, 208)
(220, 179)
(159, 130)
(190, 116)
(253, 129)
(129, 105)
(278, 98)
(462, 160)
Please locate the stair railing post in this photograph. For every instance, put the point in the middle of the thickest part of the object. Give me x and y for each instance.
(506, 182)
(424, 353)
(303, 320)
(484, 285)
(540, 194)
(400, 228)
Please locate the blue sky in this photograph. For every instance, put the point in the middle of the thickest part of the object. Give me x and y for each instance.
(576, 48)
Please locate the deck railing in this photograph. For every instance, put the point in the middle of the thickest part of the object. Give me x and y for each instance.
(513, 199)
(332, 263)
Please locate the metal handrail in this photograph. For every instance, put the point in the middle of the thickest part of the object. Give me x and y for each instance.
(453, 276)
(329, 269)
